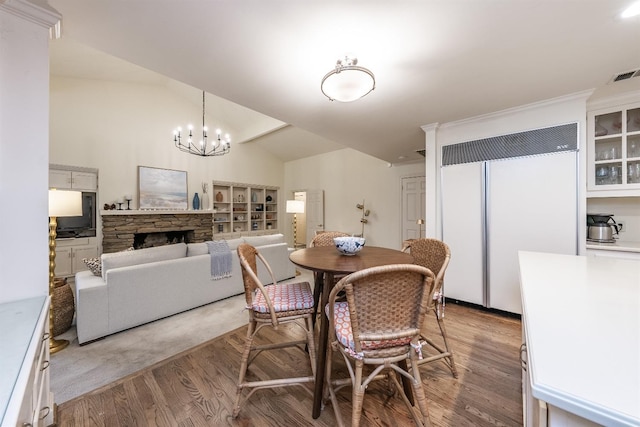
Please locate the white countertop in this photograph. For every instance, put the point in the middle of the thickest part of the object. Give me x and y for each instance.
(582, 320)
(19, 320)
(615, 246)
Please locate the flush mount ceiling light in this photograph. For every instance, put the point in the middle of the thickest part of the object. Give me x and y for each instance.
(632, 10)
(218, 147)
(347, 82)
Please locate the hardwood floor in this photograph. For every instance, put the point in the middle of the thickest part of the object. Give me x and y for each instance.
(197, 387)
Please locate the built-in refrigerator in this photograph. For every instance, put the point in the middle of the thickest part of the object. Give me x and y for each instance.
(499, 196)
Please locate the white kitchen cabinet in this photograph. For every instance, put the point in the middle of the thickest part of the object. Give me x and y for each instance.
(613, 254)
(73, 180)
(70, 252)
(613, 157)
(25, 396)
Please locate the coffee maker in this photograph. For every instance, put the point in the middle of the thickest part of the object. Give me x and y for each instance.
(602, 228)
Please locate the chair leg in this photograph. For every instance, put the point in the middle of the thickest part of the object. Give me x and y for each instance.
(244, 363)
(443, 331)
(357, 395)
(318, 280)
(419, 394)
(311, 342)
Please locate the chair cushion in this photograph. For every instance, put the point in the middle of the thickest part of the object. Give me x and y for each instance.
(344, 333)
(285, 297)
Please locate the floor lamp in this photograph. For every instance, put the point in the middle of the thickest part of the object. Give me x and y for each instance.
(295, 207)
(61, 203)
(420, 222)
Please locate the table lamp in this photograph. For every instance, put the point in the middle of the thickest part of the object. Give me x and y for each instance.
(61, 203)
(295, 207)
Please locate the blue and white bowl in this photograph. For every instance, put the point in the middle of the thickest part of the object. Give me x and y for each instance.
(349, 245)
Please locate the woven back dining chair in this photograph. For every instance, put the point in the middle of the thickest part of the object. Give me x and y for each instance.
(379, 325)
(324, 238)
(272, 306)
(435, 255)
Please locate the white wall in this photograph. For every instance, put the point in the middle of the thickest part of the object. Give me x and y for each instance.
(348, 177)
(24, 156)
(116, 127)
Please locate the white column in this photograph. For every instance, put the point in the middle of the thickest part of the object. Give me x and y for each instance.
(24, 147)
(432, 177)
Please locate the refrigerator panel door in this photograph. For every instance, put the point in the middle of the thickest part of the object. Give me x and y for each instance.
(532, 206)
(462, 230)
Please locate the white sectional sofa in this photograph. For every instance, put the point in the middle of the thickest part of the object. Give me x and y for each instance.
(137, 287)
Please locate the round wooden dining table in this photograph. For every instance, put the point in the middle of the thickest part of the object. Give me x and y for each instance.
(328, 262)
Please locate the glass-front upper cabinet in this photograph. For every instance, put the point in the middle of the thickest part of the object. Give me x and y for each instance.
(614, 149)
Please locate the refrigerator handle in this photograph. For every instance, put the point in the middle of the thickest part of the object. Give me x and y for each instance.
(486, 176)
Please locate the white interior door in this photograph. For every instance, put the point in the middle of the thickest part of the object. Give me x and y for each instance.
(413, 207)
(314, 213)
(533, 207)
(463, 231)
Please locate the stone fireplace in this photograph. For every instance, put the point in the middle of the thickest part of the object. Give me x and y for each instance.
(122, 230)
(149, 240)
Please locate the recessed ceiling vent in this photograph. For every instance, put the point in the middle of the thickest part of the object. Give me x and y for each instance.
(625, 76)
(421, 152)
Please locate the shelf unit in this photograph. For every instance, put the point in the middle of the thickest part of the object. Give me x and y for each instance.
(241, 209)
(614, 149)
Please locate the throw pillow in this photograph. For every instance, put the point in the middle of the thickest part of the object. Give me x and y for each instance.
(94, 264)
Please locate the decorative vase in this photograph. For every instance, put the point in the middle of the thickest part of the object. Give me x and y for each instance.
(196, 202)
(205, 202)
(219, 197)
(254, 197)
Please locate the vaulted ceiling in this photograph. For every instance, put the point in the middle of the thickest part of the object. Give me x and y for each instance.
(435, 61)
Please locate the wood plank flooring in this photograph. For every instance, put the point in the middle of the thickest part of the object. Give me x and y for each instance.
(197, 387)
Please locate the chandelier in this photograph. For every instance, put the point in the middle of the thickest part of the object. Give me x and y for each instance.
(218, 147)
(347, 82)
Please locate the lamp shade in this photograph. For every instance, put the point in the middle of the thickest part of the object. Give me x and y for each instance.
(295, 206)
(65, 203)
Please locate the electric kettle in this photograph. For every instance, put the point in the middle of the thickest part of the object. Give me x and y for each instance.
(601, 228)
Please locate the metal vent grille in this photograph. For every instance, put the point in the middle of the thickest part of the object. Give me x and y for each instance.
(540, 141)
(625, 76)
(421, 152)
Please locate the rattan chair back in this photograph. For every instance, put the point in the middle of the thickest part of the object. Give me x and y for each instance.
(326, 238)
(433, 254)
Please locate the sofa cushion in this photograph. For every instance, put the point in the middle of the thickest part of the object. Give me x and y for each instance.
(142, 256)
(268, 239)
(234, 243)
(195, 249)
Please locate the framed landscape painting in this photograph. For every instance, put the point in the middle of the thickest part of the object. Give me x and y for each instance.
(162, 189)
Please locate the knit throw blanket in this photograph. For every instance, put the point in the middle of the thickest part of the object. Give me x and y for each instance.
(220, 259)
